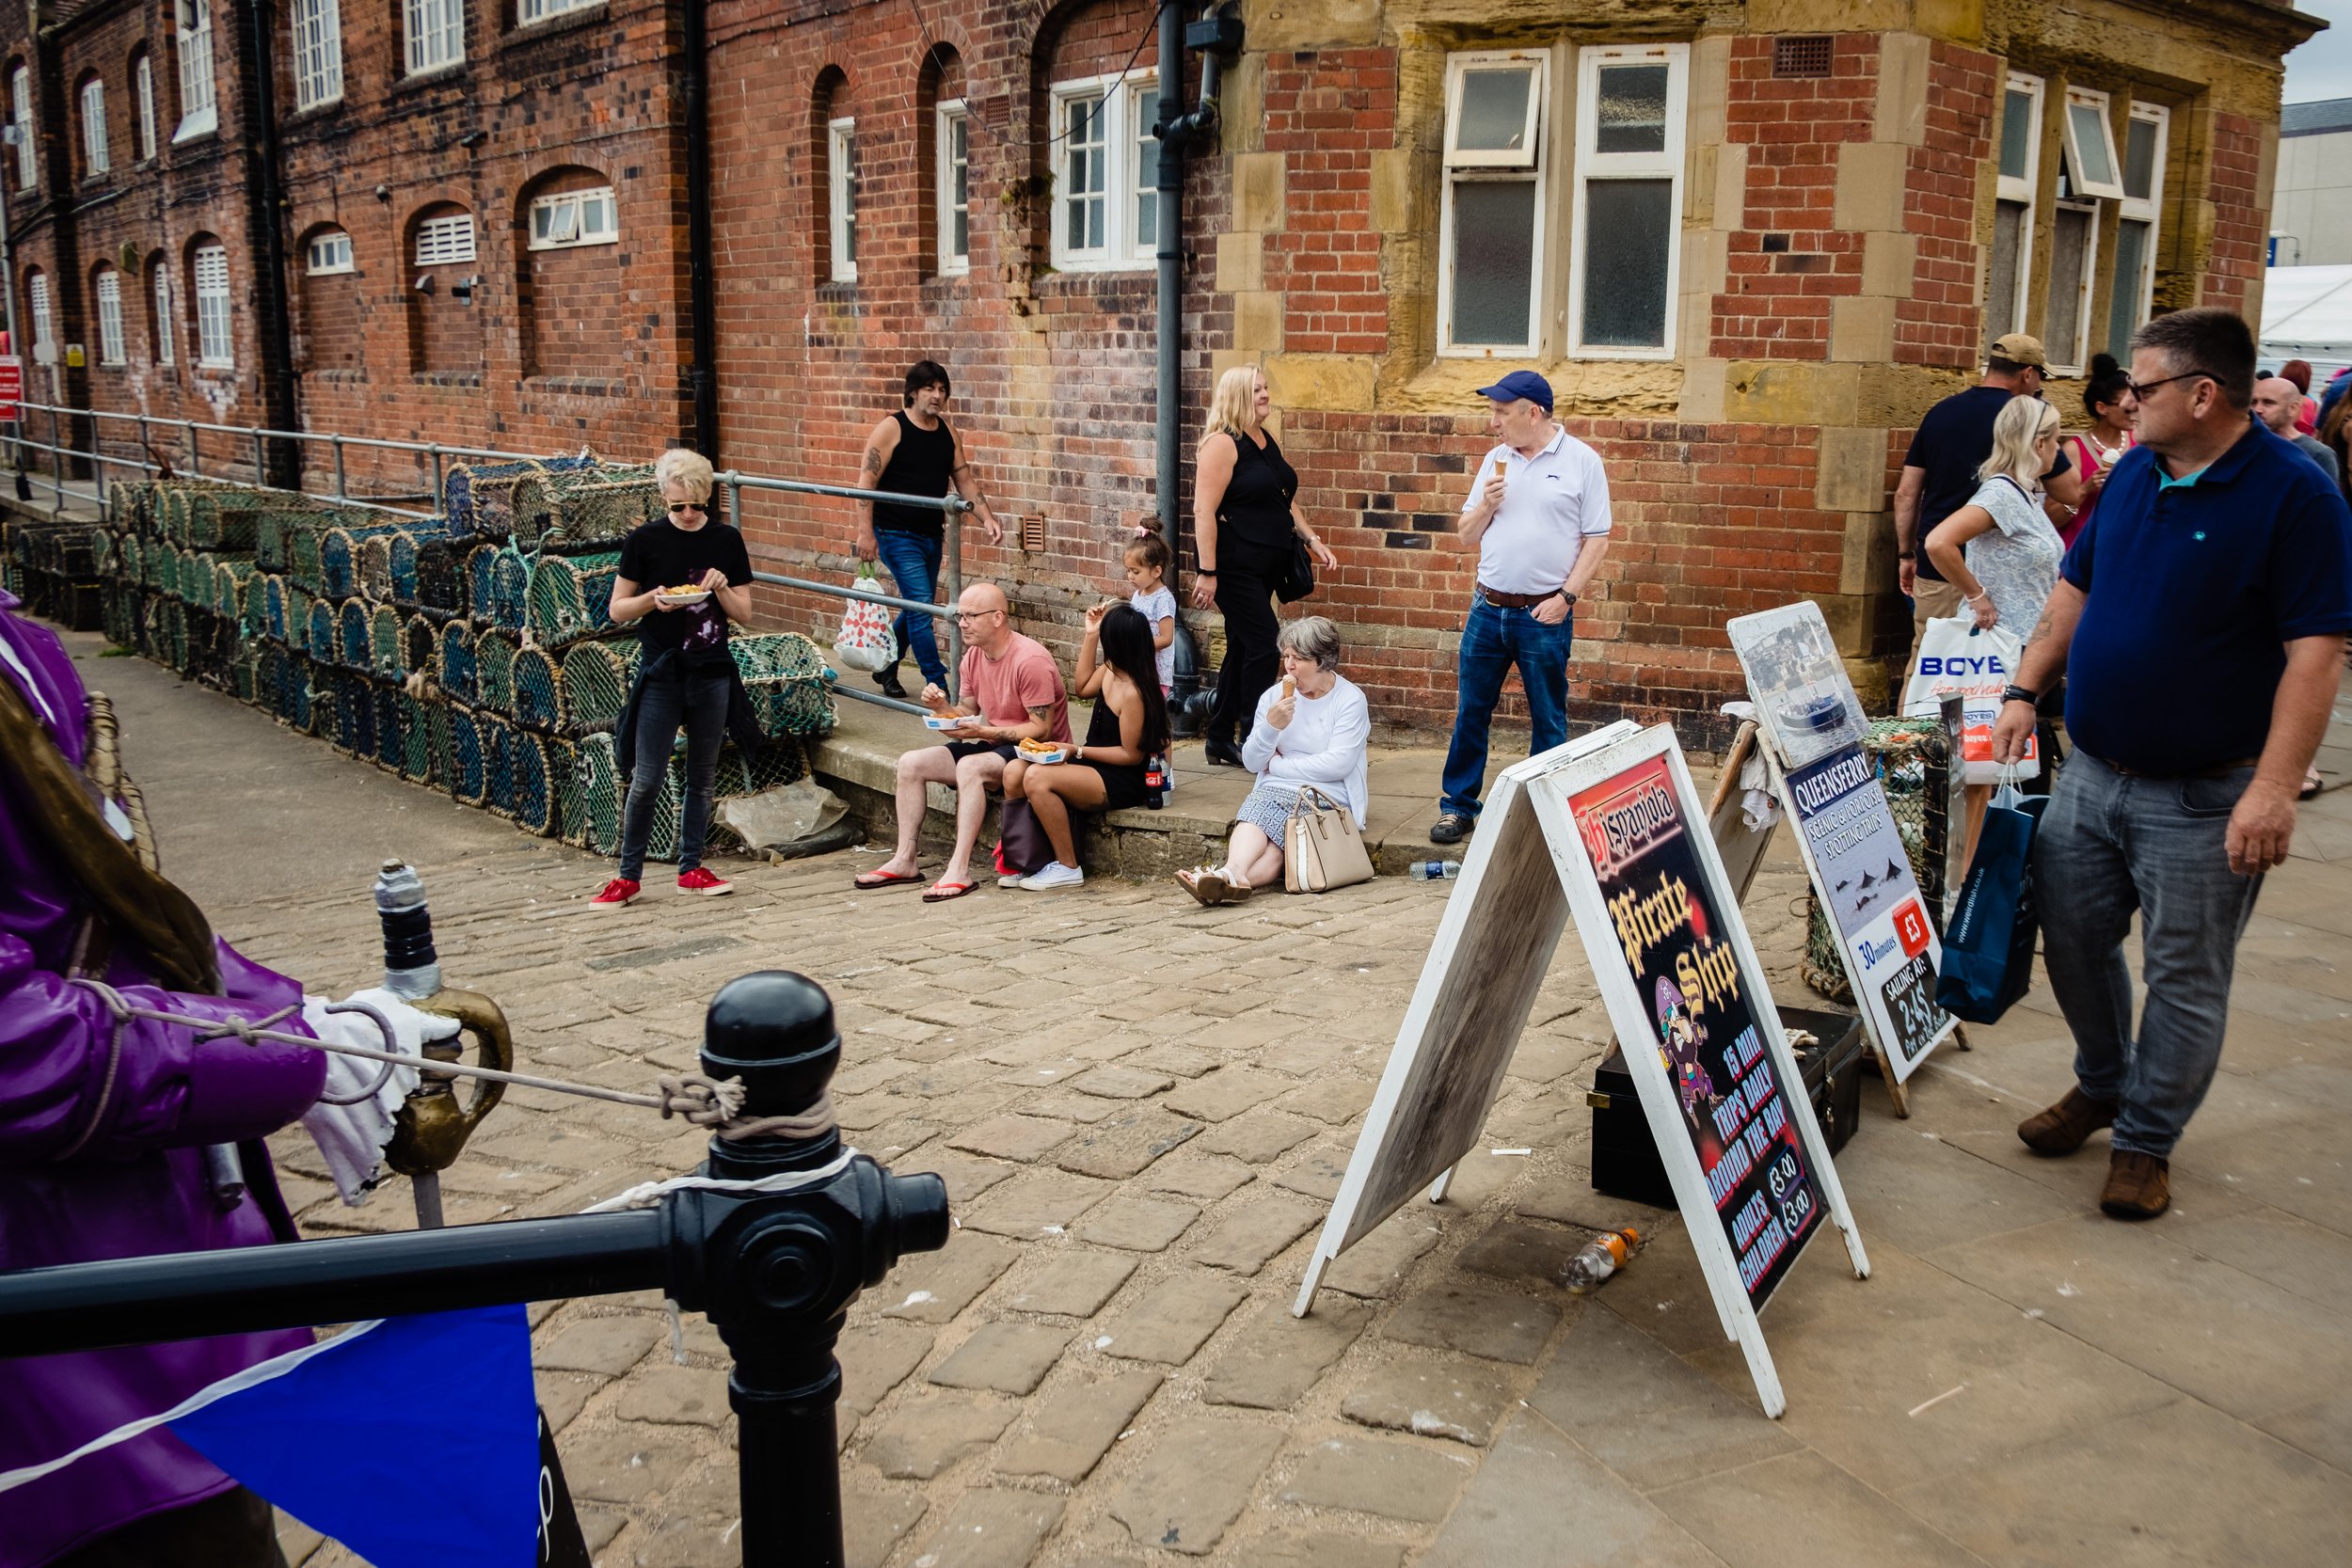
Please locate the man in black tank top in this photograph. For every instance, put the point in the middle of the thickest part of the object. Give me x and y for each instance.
(914, 451)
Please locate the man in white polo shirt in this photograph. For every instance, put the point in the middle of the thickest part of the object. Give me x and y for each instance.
(1538, 511)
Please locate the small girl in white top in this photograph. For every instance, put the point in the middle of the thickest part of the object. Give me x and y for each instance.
(1313, 728)
(1147, 561)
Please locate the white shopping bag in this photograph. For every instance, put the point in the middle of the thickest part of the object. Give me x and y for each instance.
(866, 641)
(1957, 657)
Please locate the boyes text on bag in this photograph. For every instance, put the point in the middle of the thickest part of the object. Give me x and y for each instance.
(1987, 947)
(866, 641)
(1958, 658)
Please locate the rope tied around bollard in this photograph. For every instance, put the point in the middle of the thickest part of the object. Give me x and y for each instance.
(714, 1103)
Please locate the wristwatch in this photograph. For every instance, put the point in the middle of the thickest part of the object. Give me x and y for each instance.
(2019, 694)
(1566, 597)
(1906, 555)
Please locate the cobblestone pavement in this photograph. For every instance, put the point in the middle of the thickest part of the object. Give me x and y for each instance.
(1143, 1110)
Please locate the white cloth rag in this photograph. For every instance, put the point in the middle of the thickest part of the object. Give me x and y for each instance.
(351, 1138)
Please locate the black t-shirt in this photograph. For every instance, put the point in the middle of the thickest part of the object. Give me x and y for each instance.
(1257, 503)
(660, 555)
(1952, 443)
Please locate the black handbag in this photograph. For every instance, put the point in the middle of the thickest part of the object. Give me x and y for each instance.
(1299, 578)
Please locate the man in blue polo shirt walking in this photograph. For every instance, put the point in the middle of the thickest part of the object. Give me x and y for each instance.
(2200, 621)
(1538, 511)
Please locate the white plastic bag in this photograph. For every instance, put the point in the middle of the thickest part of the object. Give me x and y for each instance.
(1958, 658)
(866, 641)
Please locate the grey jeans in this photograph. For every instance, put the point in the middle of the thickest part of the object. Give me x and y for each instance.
(696, 701)
(2110, 845)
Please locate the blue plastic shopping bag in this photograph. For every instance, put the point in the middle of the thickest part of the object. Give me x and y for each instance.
(1988, 945)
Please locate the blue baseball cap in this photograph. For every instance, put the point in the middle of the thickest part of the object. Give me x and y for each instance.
(1520, 383)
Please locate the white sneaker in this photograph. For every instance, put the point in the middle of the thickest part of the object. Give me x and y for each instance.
(1055, 875)
(1013, 880)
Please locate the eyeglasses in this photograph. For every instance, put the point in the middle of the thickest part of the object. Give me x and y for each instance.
(976, 614)
(2142, 388)
(678, 507)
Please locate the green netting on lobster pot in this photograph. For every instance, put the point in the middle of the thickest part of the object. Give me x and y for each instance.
(567, 781)
(421, 648)
(154, 635)
(669, 809)
(352, 649)
(416, 741)
(323, 644)
(481, 581)
(536, 699)
(273, 540)
(243, 672)
(386, 650)
(350, 726)
(494, 497)
(498, 762)
(123, 499)
(540, 775)
(1913, 763)
(340, 558)
(510, 591)
(299, 606)
(265, 608)
(399, 566)
(460, 674)
(494, 669)
(232, 577)
(441, 586)
(375, 568)
(131, 559)
(269, 680)
(602, 793)
(463, 491)
(570, 598)
(120, 609)
(441, 746)
(469, 777)
(784, 674)
(595, 508)
(596, 678)
(390, 742)
(778, 763)
(168, 573)
(176, 634)
(302, 562)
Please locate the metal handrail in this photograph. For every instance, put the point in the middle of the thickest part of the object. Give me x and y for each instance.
(733, 482)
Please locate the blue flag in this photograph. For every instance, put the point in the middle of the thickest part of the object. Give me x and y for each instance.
(415, 1443)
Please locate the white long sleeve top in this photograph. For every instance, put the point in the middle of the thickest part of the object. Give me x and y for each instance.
(1327, 745)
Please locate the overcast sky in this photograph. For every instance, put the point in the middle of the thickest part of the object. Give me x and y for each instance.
(2323, 68)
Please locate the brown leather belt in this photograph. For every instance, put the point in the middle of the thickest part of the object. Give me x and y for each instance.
(2219, 770)
(1514, 601)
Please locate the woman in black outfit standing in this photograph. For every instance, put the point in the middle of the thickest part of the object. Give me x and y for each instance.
(1245, 508)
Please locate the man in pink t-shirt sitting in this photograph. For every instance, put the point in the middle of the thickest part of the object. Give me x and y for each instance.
(1013, 692)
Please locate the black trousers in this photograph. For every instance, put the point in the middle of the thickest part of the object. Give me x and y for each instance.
(1246, 576)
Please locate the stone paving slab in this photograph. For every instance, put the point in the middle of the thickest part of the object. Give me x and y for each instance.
(2019, 1382)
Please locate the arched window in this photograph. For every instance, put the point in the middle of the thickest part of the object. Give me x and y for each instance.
(92, 98)
(568, 269)
(45, 323)
(163, 323)
(106, 296)
(143, 100)
(836, 154)
(21, 116)
(444, 280)
(943, 150)
(333, 336)
(194, 40)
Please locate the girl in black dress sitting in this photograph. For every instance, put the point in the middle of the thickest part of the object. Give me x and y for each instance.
(1119, 668)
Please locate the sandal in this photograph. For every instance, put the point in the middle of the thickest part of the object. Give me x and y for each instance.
(869, 881)
(939, 893)
(1204, 884)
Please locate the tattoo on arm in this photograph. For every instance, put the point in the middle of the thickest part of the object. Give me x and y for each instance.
(2042, 628)
(873, 463)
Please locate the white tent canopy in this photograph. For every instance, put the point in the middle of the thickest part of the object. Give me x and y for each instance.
(2307, 314)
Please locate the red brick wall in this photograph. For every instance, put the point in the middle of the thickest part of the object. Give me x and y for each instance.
(2240, 213)
(1941, 323)
(1328, 112)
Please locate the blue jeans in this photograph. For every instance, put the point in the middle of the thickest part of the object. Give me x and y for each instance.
(1493, 640)
(2110, 845)
(913, 562)
(669, 700)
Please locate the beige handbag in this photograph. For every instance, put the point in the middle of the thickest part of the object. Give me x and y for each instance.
(1321, 848)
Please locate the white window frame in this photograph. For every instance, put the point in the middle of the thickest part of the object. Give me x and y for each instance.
(1591, 165)
(21, 117)
(167, 322)
(143, 100)
(1511, 166)
(841, 198)
(2145, 210)
(198, 113)
(432, 35)
(1143, 100)
(574, 204)
(530, 11)
(446, 241)
(327, 254)
(1125, 122)
(109, 292)
(2111, 188)
(2024, 189)
(44, 320)
(318, 52)
(215, 344)
(951, 119)
(96, 158)
(2069, 359)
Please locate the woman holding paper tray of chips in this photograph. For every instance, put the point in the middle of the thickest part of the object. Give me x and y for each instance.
(2000, 550)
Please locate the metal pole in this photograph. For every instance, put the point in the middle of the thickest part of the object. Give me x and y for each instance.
(341, 493)
(260, 463)
(57, 466)
(433, 449)
(955, 597)
(196, 453)
(1170, 323)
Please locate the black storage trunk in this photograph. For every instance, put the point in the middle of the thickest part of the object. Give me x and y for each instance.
(1625, 1161)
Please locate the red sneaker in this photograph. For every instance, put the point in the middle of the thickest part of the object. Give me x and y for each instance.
(618, 892)
(701, 880)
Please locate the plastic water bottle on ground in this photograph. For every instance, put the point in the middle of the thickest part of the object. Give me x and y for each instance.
(1435, 871)
(1602, 1256)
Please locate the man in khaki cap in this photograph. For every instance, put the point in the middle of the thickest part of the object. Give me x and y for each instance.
(1940, 471)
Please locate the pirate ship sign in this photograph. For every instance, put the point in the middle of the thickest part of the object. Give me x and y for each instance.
(1609, 831)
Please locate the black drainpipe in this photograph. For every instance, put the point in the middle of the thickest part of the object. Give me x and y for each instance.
(266, 225)
(701, 301)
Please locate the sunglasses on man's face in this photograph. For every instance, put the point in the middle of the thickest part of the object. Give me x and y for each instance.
(2142, 388)
(679, 508)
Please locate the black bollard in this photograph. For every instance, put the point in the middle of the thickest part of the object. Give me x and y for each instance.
(776, 1280)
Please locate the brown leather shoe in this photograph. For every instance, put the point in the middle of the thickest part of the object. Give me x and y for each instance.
(2062, 1128)
(2139, 1186)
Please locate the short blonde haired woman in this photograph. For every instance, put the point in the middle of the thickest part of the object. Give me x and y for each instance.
(2001, 550)
(1245, 510)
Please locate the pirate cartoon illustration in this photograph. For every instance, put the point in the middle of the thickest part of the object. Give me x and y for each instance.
(1679, 1041)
